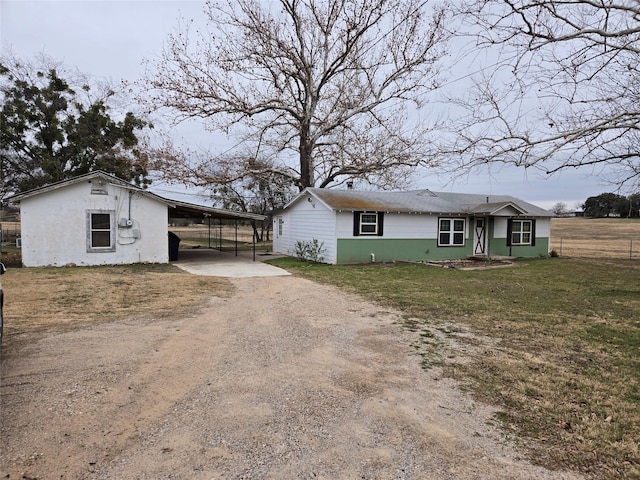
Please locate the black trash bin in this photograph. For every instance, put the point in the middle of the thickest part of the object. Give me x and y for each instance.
(174, 243)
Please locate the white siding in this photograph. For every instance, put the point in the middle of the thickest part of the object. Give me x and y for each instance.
(54, 227)
(396, 225)
(305, 221)
(543, 227)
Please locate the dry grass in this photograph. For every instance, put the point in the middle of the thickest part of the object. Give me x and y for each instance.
(596, 237)
(42, 299)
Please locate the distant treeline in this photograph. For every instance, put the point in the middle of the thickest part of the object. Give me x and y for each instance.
(613, 205)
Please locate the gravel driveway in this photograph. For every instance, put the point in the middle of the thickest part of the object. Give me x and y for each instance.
(286, 379)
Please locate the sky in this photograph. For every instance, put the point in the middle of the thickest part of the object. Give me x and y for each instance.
(110, 39)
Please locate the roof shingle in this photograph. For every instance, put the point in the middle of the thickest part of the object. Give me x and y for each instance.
(424, 201)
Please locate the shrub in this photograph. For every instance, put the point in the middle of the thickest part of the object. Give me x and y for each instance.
(310, 250)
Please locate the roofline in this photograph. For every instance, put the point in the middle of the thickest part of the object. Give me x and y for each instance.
(73, 180)
(299, 196)
(218, 211)
(113, 180)
(520, 209)
(128, 186)
(496, 208)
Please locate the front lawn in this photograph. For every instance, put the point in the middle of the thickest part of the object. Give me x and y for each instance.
(554, 342)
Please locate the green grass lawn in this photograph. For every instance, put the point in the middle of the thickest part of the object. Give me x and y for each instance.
(554, 342)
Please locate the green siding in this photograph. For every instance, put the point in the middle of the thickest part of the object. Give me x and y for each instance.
(359, 250)
(498, 246)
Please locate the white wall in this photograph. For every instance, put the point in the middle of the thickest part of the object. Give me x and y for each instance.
(396, 225)
(543, 227)
(306, 221)
(54, 227)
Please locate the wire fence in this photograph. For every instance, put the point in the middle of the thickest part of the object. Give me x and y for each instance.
(192, 236)
(594, 247)
(221, 237)
(10, 234)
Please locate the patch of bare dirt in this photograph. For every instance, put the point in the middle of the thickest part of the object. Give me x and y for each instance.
(474, 263)
(285, 379)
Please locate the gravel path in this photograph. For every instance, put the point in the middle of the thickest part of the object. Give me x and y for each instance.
(286, 379)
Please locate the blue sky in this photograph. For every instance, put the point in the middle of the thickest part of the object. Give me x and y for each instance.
(110, 38)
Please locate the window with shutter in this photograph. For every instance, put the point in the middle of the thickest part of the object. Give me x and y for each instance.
(521, 232)
(368, 223)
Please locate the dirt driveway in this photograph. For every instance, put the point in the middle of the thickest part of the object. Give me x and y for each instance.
(286, 379)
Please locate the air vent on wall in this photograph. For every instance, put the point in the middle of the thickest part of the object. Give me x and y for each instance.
(98, 187)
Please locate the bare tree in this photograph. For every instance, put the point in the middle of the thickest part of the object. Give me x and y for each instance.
(322, 90)
(560, 209)
(241, 184)
(560, 87)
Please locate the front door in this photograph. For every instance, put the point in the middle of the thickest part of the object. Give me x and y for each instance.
(480, 236)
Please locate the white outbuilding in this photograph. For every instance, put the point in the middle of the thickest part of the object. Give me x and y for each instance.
(100, 219)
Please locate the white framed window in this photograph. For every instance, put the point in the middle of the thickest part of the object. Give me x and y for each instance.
(368, 223)
(451, 232)
(101, 231)
(521, 232)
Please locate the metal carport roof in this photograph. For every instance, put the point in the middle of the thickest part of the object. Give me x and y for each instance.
(190, 210)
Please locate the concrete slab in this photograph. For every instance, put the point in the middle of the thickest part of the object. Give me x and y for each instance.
(214, 263)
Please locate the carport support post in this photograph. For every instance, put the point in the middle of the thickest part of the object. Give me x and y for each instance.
(236, 224)
(220, 241)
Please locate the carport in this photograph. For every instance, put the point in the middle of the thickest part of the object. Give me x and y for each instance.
(184, 210)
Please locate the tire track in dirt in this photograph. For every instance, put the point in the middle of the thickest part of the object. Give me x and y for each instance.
(104, 385)
(284, 379)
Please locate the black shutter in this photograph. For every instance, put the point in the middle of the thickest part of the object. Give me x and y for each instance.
(533, 233)
(356, 223)
(509, 230)
(380, 223)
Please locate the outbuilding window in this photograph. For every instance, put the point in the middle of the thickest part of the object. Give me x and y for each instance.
(521, 232)
(451, 232)
(100, 231)
(367, 223)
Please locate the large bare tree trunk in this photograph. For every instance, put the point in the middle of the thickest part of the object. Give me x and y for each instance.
(306, 160)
